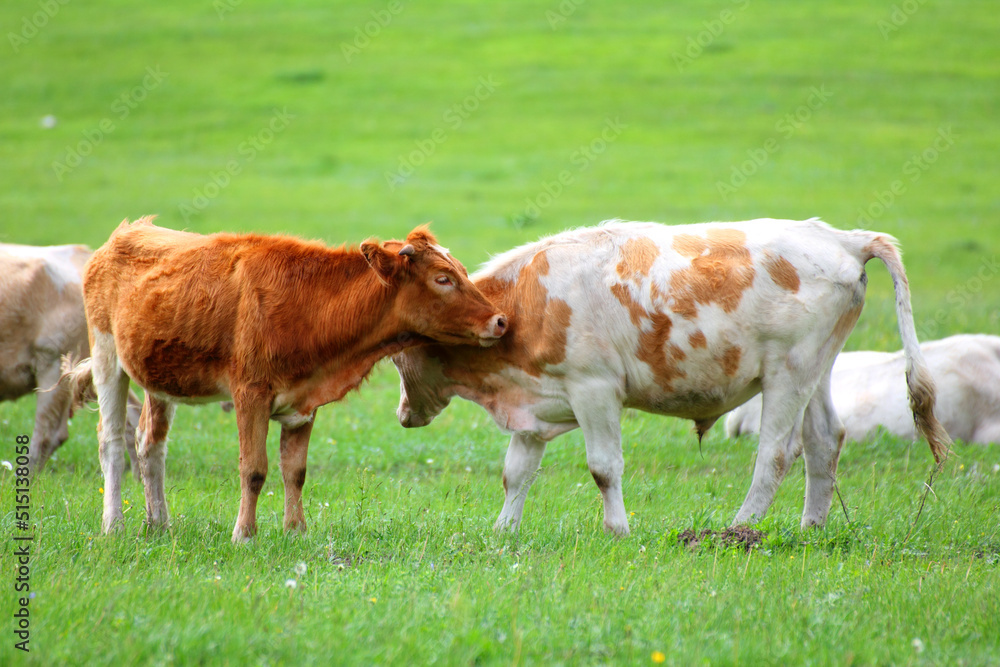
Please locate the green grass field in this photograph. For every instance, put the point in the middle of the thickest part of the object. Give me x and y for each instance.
(500, 123)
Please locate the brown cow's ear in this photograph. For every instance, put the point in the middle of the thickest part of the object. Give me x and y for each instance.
(381, 260)
(421, 237)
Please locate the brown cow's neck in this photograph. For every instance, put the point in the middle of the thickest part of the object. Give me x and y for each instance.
(336, 346)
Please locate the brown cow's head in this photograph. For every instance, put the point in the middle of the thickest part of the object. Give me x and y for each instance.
(435, 297)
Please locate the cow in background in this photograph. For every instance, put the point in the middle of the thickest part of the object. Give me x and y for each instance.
(869, 390)
(689, 321)
(41, 320)
(278, 325)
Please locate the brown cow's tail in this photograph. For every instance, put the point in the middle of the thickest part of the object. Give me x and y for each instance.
(919, 382)
(79, 377)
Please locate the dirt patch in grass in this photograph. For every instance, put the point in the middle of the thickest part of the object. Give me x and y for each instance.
(743, 537)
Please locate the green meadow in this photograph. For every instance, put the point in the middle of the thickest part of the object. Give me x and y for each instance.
(499, 123)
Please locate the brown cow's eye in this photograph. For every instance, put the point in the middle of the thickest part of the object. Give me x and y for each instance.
(443, 280)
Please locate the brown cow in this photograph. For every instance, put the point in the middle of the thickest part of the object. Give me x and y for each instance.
(42, 319)
(278, 325)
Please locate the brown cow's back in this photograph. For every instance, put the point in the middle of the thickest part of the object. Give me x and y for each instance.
(197, 308)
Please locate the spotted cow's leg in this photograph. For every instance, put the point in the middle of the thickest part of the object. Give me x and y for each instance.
(823, 437)
(780, 444)
(523, 456)
(598, 409)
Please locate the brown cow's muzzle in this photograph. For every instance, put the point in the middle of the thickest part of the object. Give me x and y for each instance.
(496, 328)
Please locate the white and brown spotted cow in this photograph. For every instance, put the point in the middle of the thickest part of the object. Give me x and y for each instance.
(42, 319)
(689, 321)
(869, 391)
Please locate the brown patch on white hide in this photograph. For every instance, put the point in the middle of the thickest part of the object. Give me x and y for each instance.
(721, 270)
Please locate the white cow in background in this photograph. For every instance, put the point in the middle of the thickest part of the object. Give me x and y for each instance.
(42, 319)
(869, 390)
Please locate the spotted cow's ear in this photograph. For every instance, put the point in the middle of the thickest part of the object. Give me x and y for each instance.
(384, 263)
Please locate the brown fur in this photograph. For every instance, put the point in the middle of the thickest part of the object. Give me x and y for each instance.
(537, 328)
(697, 339)
(783, 273)
(545, 332)
(730, 360)
(721, 270)
(636, 312)
(661, 355)
(654, 328)
(264, 309)
(637, 257)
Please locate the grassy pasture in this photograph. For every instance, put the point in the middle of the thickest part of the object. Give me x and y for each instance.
(516, 120)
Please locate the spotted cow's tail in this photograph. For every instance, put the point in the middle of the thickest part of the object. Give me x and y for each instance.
(919, 382)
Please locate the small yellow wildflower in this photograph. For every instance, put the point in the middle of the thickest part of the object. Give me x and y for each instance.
(101, 490)
(373, 600)
(658, 656)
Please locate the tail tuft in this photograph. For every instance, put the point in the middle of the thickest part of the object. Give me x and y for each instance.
(922, 392)
(80, 379)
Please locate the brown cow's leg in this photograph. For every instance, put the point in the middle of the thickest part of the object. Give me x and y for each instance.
(294, 446)
(111, 384)
(252, 413)
(132, 412)
(151, 450)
